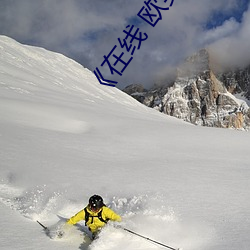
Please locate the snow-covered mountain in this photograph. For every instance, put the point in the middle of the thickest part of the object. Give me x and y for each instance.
(64, 137)
(202, 96)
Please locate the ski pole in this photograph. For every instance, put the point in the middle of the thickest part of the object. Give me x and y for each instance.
(45, 228)
(146, 238)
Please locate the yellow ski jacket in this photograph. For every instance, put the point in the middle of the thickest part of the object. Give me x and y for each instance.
(94, 223)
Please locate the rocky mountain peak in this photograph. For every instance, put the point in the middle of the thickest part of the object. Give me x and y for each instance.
(197, 64)
(202, 97)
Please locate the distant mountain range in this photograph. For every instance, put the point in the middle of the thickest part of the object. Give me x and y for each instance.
(201, 94)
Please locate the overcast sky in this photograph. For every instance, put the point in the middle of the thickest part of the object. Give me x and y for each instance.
(86, 30)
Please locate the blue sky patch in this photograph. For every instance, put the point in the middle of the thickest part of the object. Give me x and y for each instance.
(219, 17)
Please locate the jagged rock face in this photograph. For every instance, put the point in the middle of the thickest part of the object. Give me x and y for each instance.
(204, 102)
(199, 97)
(137, 91)
(237, 81)
(134, 88)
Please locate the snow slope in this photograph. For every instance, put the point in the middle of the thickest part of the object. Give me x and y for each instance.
(64, 137)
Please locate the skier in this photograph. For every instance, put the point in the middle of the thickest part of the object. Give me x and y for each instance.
(95, 214)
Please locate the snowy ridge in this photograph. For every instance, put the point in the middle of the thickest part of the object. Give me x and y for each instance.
(37, 69)
(64, 137)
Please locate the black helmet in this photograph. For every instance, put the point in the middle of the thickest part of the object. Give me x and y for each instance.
(96, 202)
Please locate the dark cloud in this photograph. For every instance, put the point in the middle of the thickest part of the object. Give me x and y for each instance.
(86, 30)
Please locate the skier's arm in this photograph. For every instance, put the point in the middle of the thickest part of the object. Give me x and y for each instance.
(77, 217)
(110, 214)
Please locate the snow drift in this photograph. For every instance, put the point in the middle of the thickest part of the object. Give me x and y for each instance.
(64, 137)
